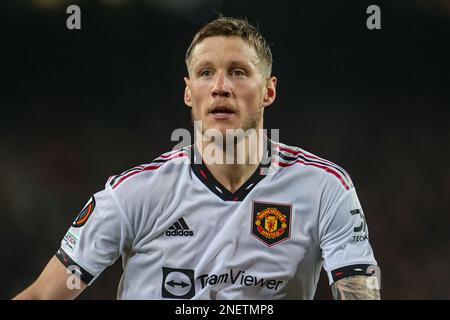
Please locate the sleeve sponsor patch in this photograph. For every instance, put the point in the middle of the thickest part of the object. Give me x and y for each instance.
(70, 240)
(84, 215)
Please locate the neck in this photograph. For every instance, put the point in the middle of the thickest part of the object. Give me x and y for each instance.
(232, 164)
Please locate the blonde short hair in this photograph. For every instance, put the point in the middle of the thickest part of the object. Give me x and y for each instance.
(228, 27)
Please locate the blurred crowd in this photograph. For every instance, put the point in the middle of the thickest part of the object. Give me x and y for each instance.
(398, 160)
(79, 107)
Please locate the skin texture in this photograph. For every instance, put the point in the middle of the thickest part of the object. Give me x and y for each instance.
(354, 288)
(226, 71)
(52, 284)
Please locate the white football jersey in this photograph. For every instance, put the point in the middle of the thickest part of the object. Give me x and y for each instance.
(182, 235)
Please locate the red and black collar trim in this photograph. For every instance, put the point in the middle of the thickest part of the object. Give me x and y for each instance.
(202, 172)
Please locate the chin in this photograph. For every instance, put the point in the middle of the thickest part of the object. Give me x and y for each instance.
(221, 128)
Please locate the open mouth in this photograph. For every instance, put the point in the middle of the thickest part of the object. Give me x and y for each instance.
(221, 113)
(221, 110)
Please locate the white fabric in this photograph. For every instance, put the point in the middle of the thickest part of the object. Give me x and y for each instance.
(227, 261)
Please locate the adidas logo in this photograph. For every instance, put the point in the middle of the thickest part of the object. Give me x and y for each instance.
(179, 229)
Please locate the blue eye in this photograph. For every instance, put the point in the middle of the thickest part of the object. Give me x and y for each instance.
(206, 73)
(237, 72)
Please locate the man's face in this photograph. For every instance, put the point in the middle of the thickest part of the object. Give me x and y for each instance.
(226, 87)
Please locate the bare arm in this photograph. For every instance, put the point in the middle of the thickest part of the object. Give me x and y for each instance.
(356, 288)
(54, 283)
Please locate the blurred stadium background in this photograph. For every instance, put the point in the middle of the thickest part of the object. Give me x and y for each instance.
(79, 106)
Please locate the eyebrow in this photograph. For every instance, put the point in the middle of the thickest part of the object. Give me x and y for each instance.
(231, 63)
(203, 64)
(241, 63)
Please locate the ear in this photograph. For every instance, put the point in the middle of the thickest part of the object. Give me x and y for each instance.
(270, 91)
(187, 92)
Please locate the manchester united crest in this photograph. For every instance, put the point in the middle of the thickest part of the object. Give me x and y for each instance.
(271, 222)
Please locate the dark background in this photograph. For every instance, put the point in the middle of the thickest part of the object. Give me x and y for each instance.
(79, 106)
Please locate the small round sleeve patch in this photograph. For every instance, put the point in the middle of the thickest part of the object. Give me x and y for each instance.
(84, 215)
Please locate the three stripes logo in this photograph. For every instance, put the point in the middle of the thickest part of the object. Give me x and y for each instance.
(179, 229)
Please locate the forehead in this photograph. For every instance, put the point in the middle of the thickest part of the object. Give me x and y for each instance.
(220, 48)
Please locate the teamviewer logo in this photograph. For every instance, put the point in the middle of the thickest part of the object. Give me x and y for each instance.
(178, 283)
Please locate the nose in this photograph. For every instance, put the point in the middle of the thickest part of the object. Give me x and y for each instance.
(220, 87)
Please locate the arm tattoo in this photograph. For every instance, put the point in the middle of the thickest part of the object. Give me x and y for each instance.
(355, 288)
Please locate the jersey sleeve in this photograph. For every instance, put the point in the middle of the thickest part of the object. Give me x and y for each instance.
(97, 237)
(344, 238)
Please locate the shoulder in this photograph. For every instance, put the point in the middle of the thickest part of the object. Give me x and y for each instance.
(147, 173)
(141, 187)
(300, 161)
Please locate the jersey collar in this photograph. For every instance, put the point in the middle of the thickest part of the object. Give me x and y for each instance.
(204, 175)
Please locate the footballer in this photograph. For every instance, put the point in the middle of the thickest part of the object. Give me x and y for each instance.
(190, 228)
